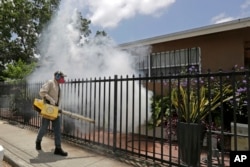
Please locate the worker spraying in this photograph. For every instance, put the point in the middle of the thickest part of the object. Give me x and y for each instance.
(48, 109)
(50, 93)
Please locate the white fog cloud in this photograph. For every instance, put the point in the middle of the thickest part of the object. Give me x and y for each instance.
(99, 57)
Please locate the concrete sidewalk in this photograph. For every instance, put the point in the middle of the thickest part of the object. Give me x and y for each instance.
(19, 150)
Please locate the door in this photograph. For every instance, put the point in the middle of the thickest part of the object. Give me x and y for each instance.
(247, 54)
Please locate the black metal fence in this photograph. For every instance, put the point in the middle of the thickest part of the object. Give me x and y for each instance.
(138, 118)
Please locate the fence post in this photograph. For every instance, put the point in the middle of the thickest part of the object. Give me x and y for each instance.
(248, 106)
(115, 112)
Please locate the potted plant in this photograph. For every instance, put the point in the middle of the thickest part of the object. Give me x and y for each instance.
(160, 110)
(193, 104)
(163, 116)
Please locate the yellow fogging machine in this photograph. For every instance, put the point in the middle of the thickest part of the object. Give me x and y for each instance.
(51, 112)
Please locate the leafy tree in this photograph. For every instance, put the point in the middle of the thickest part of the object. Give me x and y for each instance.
(18, 70)
(84, 25)
(21, 22)
(43, 10)
(21, 25)
(101, 33)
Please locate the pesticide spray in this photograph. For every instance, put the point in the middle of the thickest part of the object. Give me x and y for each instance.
(99, 57)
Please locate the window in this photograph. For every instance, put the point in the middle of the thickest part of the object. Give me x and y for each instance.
(169, 62)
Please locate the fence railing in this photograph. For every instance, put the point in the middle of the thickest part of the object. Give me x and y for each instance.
(138, 117)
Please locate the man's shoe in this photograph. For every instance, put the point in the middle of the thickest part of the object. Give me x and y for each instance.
(38, 146)
(59, 151)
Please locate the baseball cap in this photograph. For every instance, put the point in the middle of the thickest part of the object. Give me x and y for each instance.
(60, 73)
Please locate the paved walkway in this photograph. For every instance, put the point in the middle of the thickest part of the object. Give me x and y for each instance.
(19, 150)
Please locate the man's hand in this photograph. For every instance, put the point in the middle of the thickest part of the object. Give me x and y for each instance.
(50, 99)
(52, 102)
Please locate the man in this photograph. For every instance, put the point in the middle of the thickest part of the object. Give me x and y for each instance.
(50, 92)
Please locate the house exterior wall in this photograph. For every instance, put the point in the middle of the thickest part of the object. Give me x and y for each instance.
(221, 50)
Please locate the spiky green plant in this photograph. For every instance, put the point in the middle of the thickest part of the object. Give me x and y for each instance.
(193, 105)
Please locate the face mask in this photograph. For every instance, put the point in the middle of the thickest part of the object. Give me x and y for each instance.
(61, 80)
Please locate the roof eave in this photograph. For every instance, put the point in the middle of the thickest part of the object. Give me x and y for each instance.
(215, 28)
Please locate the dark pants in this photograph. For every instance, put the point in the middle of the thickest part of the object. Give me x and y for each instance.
(56, 127)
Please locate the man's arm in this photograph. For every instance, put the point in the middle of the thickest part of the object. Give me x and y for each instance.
(44, 93)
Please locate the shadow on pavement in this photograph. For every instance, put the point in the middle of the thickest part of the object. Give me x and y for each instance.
(46, 157)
